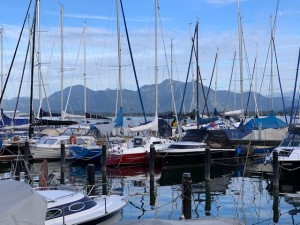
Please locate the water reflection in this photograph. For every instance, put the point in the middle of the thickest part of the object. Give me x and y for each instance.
(242, 191)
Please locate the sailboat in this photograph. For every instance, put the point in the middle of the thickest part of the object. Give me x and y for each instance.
(137, 150)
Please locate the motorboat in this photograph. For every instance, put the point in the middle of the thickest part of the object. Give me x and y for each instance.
(69, 205)
(85, 152)
(49, 147)
(190, 149)
(288, 151)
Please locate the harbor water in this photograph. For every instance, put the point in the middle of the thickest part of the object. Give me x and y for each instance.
(242, 191)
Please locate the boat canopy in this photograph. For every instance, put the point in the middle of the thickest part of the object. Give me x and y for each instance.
(270, 121)
(21, 204)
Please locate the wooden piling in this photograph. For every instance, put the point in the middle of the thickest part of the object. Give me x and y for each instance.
(186, 195)
(103, 159)
(26, 151)
(207, 164)
(275, 170)
(91, 179)
(152, 159)
(62, 163)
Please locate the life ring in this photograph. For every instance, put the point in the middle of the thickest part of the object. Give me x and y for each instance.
(73, 139)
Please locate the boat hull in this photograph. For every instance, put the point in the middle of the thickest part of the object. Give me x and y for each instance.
(82, 153)
(193, 157)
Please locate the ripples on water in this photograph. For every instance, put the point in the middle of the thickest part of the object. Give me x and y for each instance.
(249, 198)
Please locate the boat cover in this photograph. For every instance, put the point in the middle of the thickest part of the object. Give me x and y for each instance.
(21, 204)
(270, 121)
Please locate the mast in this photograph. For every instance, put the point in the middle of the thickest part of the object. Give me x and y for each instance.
(216, 78)
(197, 78)
(271, 75)
(240, 53)
(119, 53)
(156, 69)
(172, 65)
(84, 66)
(39, 55)
(62, 61)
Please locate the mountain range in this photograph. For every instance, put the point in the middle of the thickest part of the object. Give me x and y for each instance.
(104, 101)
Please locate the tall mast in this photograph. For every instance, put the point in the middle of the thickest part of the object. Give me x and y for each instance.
(240, 54)
(119, 53)
(197, 78)
(62, 61)
(172, 65)
(39, 55)
(84, 66)
(156, 69)
(271, 75)
(216, 78)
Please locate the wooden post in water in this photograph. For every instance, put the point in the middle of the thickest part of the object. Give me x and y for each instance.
(152, 159)
(207, 198)
(62, 163)
(103, 169)
(152, 191)
(186, 195)
(103, 158)
(207, 164)
(275, 170)
(91, 179)
(275, 205)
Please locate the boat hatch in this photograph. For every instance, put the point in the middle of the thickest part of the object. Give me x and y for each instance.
(137, 142)
(53, 213)
(285, 152)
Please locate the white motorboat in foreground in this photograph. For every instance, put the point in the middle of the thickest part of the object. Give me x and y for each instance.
(70, 206)
(288, 152)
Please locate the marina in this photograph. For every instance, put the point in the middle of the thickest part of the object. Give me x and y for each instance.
(172, 151)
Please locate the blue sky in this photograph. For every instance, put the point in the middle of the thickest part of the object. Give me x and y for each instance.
(218, 29)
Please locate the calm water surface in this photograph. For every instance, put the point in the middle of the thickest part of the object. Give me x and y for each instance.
(248, 198)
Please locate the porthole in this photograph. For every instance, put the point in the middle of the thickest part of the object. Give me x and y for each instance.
(77, 206)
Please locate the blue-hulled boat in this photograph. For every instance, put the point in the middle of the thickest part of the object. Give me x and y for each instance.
(85, 153)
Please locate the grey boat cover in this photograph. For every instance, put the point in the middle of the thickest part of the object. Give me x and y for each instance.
(20, 204)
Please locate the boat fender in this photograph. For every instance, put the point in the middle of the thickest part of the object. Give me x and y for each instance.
(73, 139)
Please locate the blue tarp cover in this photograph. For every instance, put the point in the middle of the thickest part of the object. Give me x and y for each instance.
(267, 122)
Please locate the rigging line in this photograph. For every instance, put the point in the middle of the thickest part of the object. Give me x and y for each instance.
(21, 82)
(67, 103)
(232, 70)
(14, 56)
(249, 75)
(212, 75)
(279, 80)
(132, 61)
(250, 86)
(187, 76)
(32, 72)
(204, 96)
(171, 81)
(296, 79)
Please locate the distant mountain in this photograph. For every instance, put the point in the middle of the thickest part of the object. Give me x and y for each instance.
(104, 101)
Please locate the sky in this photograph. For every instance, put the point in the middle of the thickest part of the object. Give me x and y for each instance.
(217, 35)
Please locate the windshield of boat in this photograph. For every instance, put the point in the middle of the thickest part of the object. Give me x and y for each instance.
(287, 142)
(77, 131)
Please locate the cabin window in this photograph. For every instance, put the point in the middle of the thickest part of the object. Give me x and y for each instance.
(53, 213)
(157, 142)
(294, 143)
(50, 141)
(77, 206)
(285, 142)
